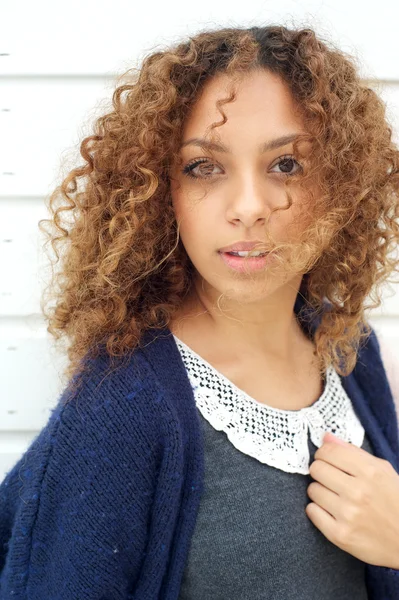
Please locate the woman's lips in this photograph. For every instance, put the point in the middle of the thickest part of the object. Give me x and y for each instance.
(246, 264)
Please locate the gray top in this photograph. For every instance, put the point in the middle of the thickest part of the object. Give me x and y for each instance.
(252, 538)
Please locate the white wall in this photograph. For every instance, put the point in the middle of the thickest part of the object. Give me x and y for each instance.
(58, 68)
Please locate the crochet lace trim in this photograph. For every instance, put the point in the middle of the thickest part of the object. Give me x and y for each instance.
(273, 436)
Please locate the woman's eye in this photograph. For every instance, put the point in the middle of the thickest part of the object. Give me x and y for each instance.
(285, 163)
(188, 169)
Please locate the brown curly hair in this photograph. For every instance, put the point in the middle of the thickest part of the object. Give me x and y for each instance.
(123, 267)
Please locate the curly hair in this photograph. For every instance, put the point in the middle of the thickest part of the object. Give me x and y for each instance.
(123, 267)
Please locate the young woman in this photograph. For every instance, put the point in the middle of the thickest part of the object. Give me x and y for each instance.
(234, 212)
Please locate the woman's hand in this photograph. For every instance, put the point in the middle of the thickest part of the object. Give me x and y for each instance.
(355, 502)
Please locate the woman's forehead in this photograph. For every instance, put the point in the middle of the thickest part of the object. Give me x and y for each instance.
(263, 100)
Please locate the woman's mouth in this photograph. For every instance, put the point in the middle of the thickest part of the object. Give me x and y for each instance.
(246, 263)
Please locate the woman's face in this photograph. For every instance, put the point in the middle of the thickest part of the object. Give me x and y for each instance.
(226, 197)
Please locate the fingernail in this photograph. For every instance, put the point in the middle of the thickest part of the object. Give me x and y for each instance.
(331, 437)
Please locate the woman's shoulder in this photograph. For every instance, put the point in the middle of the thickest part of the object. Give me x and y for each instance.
(123, 392)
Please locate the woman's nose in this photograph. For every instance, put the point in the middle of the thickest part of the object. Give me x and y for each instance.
(248, 204)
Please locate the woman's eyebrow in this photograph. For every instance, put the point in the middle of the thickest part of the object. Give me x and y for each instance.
(264, 147)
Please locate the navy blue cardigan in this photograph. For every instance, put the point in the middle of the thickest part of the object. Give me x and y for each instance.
(103, 503)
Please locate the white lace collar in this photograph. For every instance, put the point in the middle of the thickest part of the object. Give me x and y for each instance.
(273, 436)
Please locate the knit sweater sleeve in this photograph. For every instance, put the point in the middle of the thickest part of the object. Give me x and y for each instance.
(390, 358)
(75, 510)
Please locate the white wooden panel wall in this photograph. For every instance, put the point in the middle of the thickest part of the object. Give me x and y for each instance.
(57, 73)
